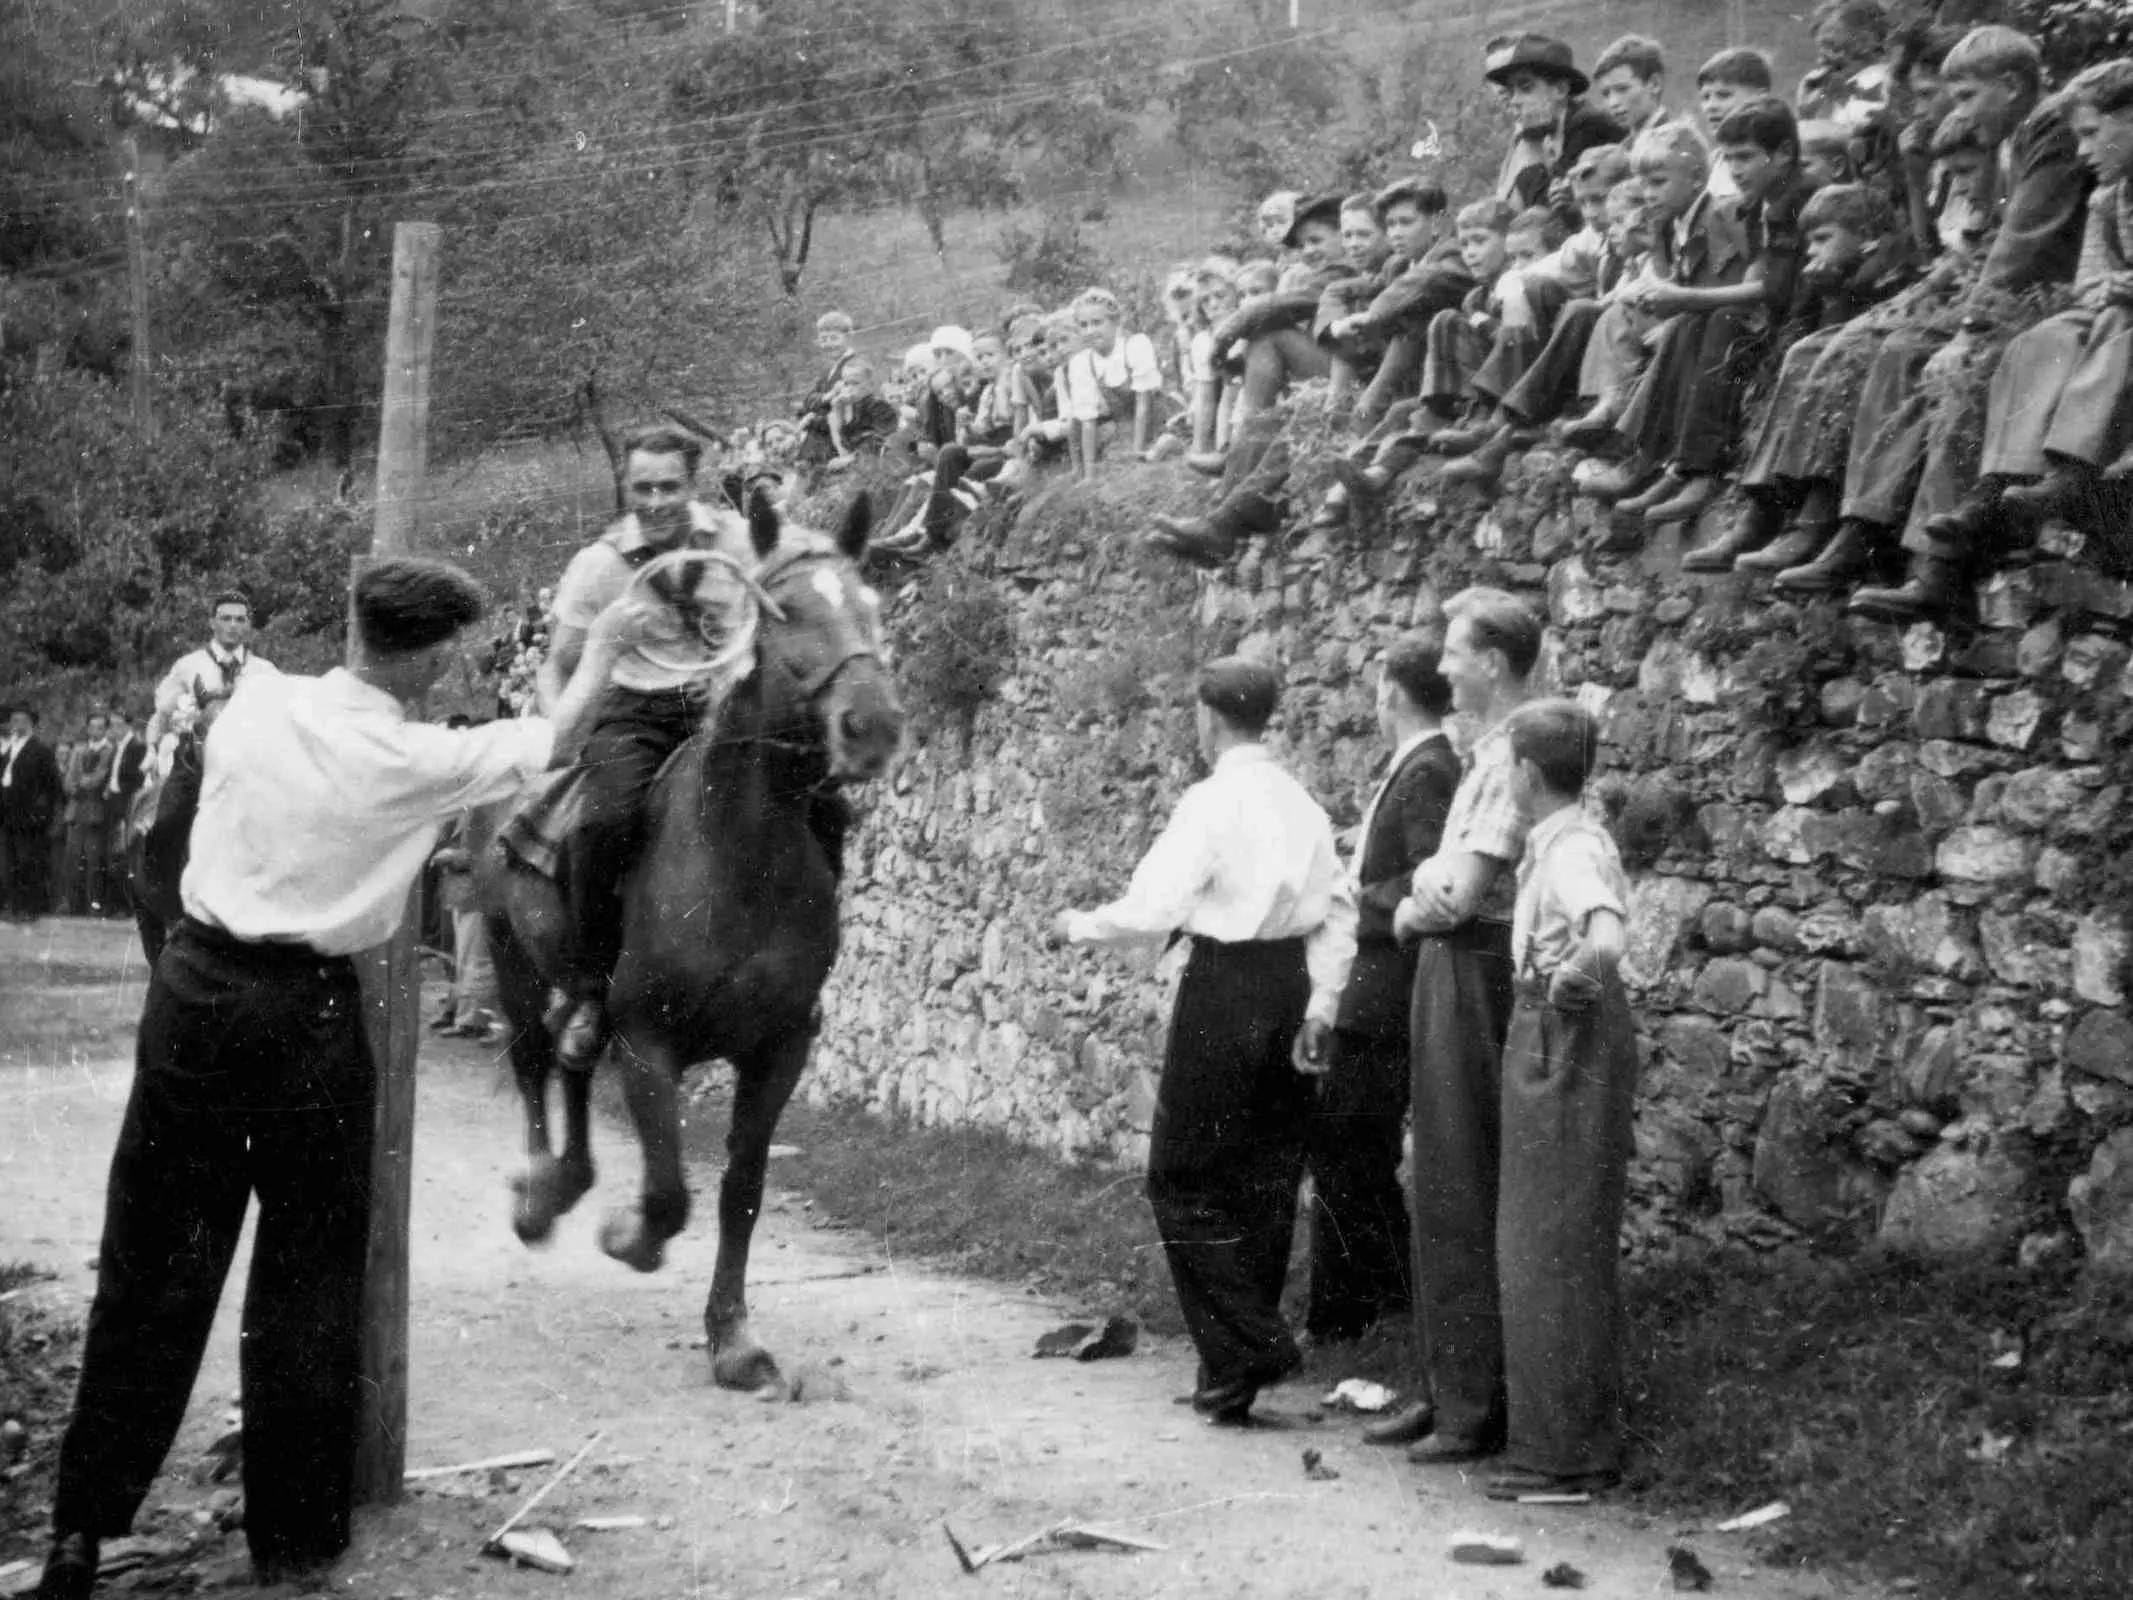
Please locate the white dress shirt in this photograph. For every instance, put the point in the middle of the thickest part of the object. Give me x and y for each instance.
(10, 747)
(320, 801)
(1247, 855)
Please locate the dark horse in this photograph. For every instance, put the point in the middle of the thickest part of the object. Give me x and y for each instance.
(730, 922)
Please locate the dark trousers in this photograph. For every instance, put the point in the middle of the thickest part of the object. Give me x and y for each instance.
(25, 854)
(1688, 412)
(252, 1077)
(1569, 1097)
(1462, 1008)
(636, 734)
(1550, 384)
(82, 890)
(1359, 1235)
(1227, 1150)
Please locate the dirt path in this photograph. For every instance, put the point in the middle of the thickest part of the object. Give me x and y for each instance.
(919, 1401)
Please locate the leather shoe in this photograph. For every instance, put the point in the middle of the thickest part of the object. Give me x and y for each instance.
(1366, 485)
(1514, 1482)
(1226, 1404)
(1611, 483)
(1659, 491)
(1593, 431)
(1800, 542)
(1460, 441)
(1409, 1425)
(70, 1570)
(1686, 506)
(1195, 539)
(1208, 463)
(1839, 561)
(1443, 1450)
(1758, 523)
(1930, 591)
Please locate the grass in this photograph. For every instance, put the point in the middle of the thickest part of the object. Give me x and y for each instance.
(1965, 1428)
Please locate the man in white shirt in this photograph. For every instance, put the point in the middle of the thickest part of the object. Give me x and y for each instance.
(1246, 867)
(319, 803)
(211, 672)
(656, 701)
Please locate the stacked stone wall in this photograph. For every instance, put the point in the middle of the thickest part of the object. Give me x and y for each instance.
(1879, 935)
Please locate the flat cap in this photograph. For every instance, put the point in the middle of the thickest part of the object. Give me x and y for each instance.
(1313, 208)
(1242, 692)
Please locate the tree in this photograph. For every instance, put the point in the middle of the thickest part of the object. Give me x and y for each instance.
(931, 104)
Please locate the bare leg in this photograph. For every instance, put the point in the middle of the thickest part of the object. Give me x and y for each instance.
(637, 1235)
(761, 1088)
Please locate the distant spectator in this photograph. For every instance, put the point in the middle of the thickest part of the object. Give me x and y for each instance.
(32, 794)
(1629, 81)
(1112, 379)
(1849, 82)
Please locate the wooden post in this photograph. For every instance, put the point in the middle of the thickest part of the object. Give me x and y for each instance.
(392, 994)
(144, 418)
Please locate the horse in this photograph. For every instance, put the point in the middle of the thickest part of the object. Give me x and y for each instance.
(730, 920)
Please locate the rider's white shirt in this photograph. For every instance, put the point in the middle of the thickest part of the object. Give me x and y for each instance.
(320, 801)
(599, 573)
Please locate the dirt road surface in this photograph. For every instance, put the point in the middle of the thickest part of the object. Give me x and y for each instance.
(918, 1402)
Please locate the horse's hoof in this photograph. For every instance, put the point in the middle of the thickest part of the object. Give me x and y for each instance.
(543, 1192)
(747, 1367)
(624, 1236)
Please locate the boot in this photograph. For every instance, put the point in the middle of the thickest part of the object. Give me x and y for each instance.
(1686, 506)
(1484, 468)
(1750, 531)
(1611, 483)
(1194, 539)
(1208, 463)
(1595, 430)
(2064, 493)
(1836, 566)
(1659, 491)
(1933, 589)
(1976, 519)
(1465, 439)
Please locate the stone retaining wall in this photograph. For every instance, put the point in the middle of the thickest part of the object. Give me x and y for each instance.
(1880, 926)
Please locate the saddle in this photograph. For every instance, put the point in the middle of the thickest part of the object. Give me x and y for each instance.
(538, 829)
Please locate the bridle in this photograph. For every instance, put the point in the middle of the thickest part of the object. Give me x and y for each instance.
(854, 644)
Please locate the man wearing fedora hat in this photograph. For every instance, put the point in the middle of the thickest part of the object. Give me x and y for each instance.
(1543, 91)
(1247, 871)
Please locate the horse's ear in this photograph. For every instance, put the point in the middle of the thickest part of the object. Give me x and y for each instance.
(857, 524)
(764, 523)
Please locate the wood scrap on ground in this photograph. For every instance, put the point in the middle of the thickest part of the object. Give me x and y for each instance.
(511, 1458)
(1059, 1536)
(539, 1552)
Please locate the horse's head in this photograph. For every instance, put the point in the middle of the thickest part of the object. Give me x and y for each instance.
(820, 642)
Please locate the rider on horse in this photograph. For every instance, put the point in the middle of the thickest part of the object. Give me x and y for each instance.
(657, 696)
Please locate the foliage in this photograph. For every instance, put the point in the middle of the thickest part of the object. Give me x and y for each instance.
(1257, 109)
(930, 104)
(955, 643)
(1056, 260)
(126, 539)
(2076, 33)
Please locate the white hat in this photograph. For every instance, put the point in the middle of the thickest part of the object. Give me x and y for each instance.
(918, 358)
(955, 340)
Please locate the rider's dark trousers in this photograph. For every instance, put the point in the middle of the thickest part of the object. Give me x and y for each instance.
(1226, 1153)
(251, 1077)
(635, 735)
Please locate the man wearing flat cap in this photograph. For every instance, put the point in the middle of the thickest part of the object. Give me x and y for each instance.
(1246, 869)
(1543, 91)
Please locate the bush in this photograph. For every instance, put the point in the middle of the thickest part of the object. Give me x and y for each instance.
(1055, 260)
(955, 637)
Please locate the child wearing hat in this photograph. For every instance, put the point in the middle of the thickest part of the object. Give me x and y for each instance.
(1543, 91)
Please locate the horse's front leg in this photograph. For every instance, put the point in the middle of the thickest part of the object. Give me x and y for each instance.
(637, 1235)
(762, 1085)
(546, 1188)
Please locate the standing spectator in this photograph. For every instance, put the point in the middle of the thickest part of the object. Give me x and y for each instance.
(470, 1012)
(1569, 1097)
(129, 769)
(1359, 1236)
(320, 802)
(56, 833)
(1247, 868)
(1461, 903)
(81, 888)
(212, 669)
(31, 795)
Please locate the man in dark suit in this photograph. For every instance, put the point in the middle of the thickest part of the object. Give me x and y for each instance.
(129, 769)
(30, 793)
(1359, 1235)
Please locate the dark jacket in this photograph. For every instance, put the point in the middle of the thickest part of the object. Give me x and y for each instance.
(1716, 252)
(1776, 244)
(1404, 833)
(32, 797)
(2039, 236)
(1438, 282)
(129, 766)
(1585, 127)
